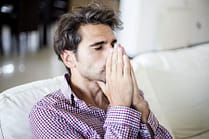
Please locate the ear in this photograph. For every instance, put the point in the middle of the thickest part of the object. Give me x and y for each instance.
(68, 58)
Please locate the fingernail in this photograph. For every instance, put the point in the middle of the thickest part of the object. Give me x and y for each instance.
(119, 49)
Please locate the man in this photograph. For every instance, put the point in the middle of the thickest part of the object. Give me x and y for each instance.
(101, 98)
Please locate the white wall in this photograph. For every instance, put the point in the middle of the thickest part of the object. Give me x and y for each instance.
(162, 24)
(131, 16)
(200, 14)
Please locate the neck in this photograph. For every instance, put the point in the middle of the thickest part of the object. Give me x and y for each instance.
(89, 91)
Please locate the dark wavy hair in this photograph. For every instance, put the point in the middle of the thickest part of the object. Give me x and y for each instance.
(67, 36)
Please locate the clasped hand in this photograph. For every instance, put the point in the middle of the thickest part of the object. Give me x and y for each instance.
(121, 87)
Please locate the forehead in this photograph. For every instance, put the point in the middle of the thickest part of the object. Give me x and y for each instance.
(96, 31)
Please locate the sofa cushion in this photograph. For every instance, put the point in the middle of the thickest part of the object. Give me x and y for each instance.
(178, 82)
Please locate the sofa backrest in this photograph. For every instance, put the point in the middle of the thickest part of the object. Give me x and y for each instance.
(176, 84)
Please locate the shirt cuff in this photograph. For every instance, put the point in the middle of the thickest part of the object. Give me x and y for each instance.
(123, 115)
(153, 122)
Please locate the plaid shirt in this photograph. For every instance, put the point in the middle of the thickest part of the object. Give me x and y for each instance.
(61, 115)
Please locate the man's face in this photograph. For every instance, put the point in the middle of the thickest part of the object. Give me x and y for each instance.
(97, 40)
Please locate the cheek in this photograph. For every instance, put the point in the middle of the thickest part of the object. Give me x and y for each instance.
(83, 57)
(99, 59)
(92, 58)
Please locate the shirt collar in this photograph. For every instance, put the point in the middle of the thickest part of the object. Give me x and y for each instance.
(66, 90)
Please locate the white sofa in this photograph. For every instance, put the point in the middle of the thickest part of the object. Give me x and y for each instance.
(175, 83)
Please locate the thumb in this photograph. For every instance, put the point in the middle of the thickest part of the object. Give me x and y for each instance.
(102, 86)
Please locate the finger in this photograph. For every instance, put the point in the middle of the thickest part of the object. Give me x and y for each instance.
(120, 62)
(141, 93)
(136, 88)
(114, 60)
(126, 67)
(134, 79)
(109, 64)
(123, 50)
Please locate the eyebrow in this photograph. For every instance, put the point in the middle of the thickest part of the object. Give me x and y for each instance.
(97, 43)
(101, 42)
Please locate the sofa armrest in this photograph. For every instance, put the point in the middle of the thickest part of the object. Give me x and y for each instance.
(16, 103)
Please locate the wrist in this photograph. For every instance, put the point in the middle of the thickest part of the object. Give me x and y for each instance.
(120, 104)
(145, 116)
(145, 111)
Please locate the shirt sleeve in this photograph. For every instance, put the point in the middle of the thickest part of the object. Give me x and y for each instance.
(122, 122)
(159, 131)
(46, 123)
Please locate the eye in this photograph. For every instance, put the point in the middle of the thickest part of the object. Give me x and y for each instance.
(98, 48)
(113, 43)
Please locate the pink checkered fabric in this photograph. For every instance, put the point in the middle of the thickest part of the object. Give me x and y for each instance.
(57, 117)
